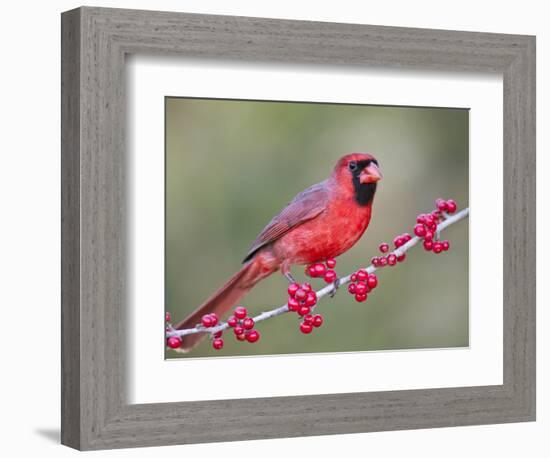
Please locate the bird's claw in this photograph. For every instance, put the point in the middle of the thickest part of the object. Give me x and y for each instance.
(335, 286)
(289, 277)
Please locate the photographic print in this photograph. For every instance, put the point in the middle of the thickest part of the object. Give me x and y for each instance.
(297, 227)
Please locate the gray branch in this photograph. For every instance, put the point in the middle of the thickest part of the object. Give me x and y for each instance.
(327, 290)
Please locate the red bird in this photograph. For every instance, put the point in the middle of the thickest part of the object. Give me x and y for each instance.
(322, 222)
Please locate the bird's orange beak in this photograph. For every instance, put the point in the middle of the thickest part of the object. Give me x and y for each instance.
(370, 174)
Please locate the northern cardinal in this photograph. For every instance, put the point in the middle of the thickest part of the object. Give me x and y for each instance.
(322, 222)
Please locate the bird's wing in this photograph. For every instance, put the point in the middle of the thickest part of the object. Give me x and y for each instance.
(305, 206)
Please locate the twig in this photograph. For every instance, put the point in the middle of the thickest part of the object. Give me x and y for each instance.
(327, 290)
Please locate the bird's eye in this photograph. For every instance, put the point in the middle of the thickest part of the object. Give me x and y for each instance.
(352, 166)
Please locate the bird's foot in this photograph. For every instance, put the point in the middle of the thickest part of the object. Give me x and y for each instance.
(335, 286)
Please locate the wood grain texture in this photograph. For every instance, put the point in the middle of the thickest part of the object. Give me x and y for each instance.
(70, 229)
(95, 42)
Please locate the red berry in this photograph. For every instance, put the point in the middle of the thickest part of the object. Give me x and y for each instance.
(317, 320)
(300, 294)
(248, 323)
(173, 342)
(292, 288)
(207, 321)
(308, 319)
(238, 330)
(406, 237)
(241, 337)
(218, 334)
(451, 206)
(441, 205)
(214, 319)
(360, 288)
(168, 317)
(398, 241)
(240, 312)
(360, 297)
(306, 328)
(445, 245)
(293, 304)
(253, 336)
(401, 258)
(372, 281)
(320, 270)
(382, 261)
(421, 219)
(429, 236)
(420, 230)
(374, 262)
(362, 275)
(306, 287)
(428, 245)
(217, 344)
(310, 271)
(304, 310)
(331, 263)
(330, 276)
(438, 247)
(232, 321)
(392, 259)
(311, 299)
(353, 277)
(352, 288)
(384, 247)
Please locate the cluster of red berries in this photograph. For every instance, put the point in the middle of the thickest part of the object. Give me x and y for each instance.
(391, 259)
(323, 270)
(361, 284)
(242, 326)
(209, 321)
(241, 323)
(302, 299)
(426, 227)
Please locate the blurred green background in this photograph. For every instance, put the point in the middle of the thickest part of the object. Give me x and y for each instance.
(232, 165)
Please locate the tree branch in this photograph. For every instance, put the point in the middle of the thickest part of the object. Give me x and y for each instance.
(327, 290)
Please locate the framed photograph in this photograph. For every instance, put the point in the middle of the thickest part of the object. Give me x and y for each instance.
(242, 154)
(342, 215)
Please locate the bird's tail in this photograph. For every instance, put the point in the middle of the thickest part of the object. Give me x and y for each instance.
(223, 299)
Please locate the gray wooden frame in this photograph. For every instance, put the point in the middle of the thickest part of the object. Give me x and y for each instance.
(95, 41)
